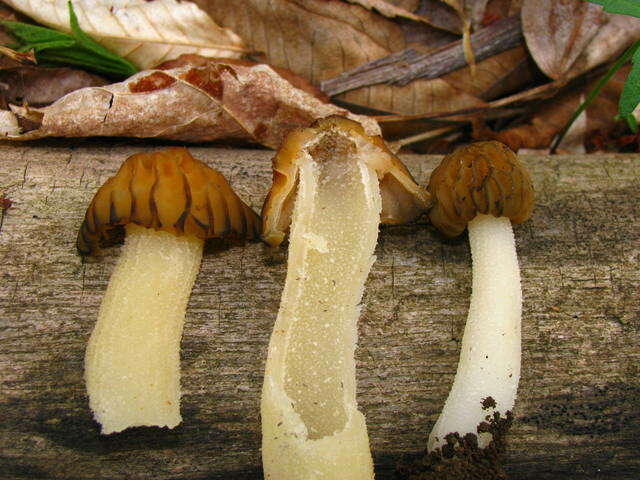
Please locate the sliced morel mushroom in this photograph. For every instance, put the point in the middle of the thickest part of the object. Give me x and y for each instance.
(334, 185)
(168, 203)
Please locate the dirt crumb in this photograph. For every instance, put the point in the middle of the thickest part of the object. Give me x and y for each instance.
(461, 458)
(488, 403)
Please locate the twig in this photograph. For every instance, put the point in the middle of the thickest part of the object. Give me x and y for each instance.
(407, 65)
(425, 135)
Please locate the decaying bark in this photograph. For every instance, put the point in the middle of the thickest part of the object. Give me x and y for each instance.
(577, 415)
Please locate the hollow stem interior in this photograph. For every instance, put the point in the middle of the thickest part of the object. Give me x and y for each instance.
(489, 364)
(340, 236)
(132, 362)
(311, 424)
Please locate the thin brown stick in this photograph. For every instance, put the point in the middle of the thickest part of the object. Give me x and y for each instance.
(425, 136)
(407, 65)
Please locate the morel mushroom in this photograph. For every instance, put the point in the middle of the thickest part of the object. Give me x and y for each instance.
(484, 188)
(334, 184)
(168, 203)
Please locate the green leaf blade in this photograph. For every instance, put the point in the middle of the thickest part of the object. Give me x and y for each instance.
(91, 45)
(630, 96)
(33, 33)
(624, 7)
(77, 49)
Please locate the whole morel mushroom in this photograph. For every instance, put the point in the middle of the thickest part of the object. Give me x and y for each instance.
(334, 184)
(484, 188)
(168, 203)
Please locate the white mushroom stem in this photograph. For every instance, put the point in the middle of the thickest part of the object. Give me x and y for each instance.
(132, 363)
(311, 425)
(490, 354)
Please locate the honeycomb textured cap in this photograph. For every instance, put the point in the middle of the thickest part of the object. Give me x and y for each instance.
(169, 191)
(484, 177)
(403, 200)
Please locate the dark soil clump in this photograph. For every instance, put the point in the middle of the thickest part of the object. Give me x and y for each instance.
(461, 458)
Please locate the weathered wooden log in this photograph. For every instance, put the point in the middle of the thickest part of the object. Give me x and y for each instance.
(577, 414)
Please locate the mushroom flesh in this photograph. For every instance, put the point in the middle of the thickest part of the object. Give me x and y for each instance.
(484, 188)
(334, 184)
(168, 203)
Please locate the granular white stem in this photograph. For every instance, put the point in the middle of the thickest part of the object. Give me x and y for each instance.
(132, 363)
(490, 354)
(311, 425)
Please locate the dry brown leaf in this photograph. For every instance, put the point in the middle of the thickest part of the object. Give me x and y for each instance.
(314, 39)
(319, 40)
(39, 86)
(490, 74)
(194, 60)
(496, 9)
(543, 124)
(144, 32)
(216, 101)
(475, 9)
(618, 33)
(550, 117)
(557, 32)
(409, 5)
(389, 10)
(441, 14)
(420, 96)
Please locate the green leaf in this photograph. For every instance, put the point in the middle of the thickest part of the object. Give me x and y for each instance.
(630, 96)
(87, 42)
(33, 33)
(39, 47)
(625, 7)
(58, 48)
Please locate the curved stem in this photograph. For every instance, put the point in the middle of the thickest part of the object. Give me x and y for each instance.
(132, 362)
(489, 363)
(310, 420)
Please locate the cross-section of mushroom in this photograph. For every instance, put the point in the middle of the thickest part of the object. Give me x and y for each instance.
(485, 188)
(334, 185)
(168, 203)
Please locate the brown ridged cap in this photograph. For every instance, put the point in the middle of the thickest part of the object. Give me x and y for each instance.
(169, 191)
(403, 200)
(484, 177)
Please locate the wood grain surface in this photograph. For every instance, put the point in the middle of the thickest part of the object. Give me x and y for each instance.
(578, 410)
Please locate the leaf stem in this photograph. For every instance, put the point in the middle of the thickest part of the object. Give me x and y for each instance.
(624, 58)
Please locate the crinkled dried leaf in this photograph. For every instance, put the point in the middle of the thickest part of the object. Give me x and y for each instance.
(549, 118)
(39, 86)
(145, 33)
(196, 60)
(409, 5)
(441, 14)
(390, 10)
(557, 32)
(387, 9)
(475, 11)
(611, 40)
(491, 73)
(216, 101)
(319, 40)
(312, 38)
